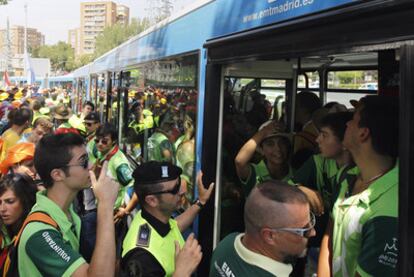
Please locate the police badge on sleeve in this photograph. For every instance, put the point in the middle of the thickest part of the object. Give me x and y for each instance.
(144, 234)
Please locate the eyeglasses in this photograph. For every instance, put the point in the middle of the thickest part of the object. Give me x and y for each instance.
(18, 177)
(104, 141)
(84, 164)
(303, 232)
(173, 191)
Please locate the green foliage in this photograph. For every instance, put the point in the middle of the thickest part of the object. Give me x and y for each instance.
(84, 60)
(4, 2)
(117, 34)
(61, 55)
(350, 77)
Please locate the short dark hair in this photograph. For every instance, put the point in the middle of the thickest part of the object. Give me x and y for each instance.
(282, 192)
(20, 116)
(107, 129)
(89, 103)
(36, 105)
(308, 101)
(380, 115)
(256, 210)
(25, 190)
(54, 151)
(337, 123)
(143, 190)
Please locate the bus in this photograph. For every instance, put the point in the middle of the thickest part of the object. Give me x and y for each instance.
(217, 56)
(62, 81)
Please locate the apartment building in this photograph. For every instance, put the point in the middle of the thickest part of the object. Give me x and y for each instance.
(95, 16)
(34, 39)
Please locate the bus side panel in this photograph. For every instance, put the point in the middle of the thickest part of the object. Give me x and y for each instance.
(209, 160)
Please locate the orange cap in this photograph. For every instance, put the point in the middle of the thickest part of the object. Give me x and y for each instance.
(16, 104)
(17, 153)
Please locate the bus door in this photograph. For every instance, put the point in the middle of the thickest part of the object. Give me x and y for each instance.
(252, 94)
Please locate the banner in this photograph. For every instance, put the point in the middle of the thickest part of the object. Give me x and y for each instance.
(6, 80)
(30, 74)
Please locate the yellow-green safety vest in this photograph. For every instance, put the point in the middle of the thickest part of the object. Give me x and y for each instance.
(162, 248)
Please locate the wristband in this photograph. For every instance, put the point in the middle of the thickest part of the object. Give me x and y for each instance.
(198, 203)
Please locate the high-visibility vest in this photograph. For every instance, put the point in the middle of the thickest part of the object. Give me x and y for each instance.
(142, 234)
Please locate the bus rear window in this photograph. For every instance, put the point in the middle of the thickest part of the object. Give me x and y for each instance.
(353, 80)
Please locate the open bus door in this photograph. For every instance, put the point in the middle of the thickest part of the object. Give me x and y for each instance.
(391, 70)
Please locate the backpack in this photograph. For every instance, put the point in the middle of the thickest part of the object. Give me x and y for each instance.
(10, 266)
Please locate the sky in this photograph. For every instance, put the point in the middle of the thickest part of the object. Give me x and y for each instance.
(54, 18)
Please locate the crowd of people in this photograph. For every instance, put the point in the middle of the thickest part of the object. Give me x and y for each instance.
(322, 200)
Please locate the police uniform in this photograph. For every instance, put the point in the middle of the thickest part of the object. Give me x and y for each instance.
(149, 246)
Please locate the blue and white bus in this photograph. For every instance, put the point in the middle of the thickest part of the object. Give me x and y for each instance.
(226, 52)
(63, 81)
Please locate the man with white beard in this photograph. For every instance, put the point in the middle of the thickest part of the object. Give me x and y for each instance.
(278, 224)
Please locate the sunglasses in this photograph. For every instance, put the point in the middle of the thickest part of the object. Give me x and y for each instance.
(104, 141)
(173, 191)
(18, 177)
(303, 232)
(84, 164)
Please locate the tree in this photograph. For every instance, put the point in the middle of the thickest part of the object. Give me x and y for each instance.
(61, 55)
(84, 60)
(115, 35)
(4, 2)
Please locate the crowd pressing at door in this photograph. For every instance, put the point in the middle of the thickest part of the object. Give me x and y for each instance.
(322, 200)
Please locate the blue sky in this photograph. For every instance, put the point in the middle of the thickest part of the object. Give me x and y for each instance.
(54, 18)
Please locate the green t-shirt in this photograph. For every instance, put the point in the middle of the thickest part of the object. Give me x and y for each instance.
(157, 143)
(93, 152)
(46, 251)
(120, 170)
(232, 258)
(258, 174)
(319, 173)
(365, 234)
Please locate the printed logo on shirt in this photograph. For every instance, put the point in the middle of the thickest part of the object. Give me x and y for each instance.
(55, 247)
(390, 255)
(224, 270)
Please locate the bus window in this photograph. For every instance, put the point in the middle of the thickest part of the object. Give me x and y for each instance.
(160, 120)
(313, 80)
(275, 91)
(353, 80)
(101, 93)
(344, 86)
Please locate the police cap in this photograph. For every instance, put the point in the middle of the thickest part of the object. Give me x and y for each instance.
(154, 172)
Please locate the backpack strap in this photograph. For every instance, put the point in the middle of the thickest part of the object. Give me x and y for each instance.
(35, 217)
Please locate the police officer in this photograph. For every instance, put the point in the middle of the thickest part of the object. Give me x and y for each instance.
(154, 245)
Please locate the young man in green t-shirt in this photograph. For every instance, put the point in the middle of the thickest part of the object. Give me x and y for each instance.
(364, 227)
(62, 163)
(278, 224)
